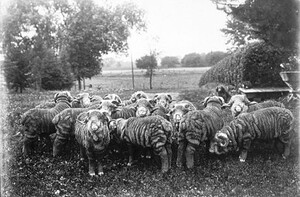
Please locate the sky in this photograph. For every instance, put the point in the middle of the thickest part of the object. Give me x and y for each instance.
(179, 27)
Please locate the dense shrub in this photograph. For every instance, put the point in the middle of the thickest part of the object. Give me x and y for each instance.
(257, 65)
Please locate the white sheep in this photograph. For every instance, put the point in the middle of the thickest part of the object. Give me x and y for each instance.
(267, 124)
(238, 104)
(149, 132)
(38, 122)
(199, 126)
(92, 133)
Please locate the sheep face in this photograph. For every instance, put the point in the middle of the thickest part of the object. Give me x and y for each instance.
(138, 95)
(212, 100)
(63, 96)
(108, 106)
(179, 109)
(83, 99)
(97, 127)
(113, 97)
(219, 144)
(143, 108)
(162, 99)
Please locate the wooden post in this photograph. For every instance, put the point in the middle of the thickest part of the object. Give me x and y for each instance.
(132, 73)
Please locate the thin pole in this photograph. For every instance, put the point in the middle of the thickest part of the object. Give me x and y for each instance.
(132, 72)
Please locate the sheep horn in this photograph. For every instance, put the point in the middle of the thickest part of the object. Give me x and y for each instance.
(224, 139)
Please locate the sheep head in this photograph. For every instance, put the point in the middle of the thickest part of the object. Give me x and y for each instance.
(97, 128)
(113, 97)
(213, 100)
(138, 95)
(219, 144)
(63, 96)
(143, 107)
(162, 99)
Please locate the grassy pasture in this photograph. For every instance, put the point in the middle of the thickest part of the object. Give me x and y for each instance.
(264, 173)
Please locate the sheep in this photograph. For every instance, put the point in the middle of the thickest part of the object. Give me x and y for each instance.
(222, 92)
(113, 97)
(65, 126)
(134, 97)
(162, 99)
(149, 132)
(178, 110)
(239, 103)
(83, 99)
(267, 124)
(93, 135)
(46, 105)
(199, 126)
(265, 104)
(38, 122)
(161, 111)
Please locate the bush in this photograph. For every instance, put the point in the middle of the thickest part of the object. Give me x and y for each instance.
(257, 65)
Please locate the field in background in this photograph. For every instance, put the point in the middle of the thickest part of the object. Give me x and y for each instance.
(175, 79)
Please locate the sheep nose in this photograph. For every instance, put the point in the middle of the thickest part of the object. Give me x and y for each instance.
(94, 126)
(177, 118)
(142, 111)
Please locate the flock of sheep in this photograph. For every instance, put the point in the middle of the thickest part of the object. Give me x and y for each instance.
(98, 124)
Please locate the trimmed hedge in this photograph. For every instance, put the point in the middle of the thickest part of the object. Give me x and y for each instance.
(257, 64)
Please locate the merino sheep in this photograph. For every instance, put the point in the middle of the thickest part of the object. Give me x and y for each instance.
(149, 132)
(162, 99)
(178, 110)
(265, 104)
(92, 133)
(268, 123)
(239, 103)
(38, 122)
(134, 97)
(199, 126)
(65, 126)
(113, 97)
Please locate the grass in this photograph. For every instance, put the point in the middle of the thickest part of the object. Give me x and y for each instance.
(264, 173)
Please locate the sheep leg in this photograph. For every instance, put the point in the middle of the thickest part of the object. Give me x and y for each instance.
(189, 154)
(245, 148)
(181, 148)
(82, 153)
(164, 160)
(130, 149)
(92, 166)
(28, 144)
(100, 168)
(287, 149)
(169, 151)
(58, 145)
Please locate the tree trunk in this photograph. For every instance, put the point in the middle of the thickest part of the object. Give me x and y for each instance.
(83, 82)
(151, 75)
(79, 83)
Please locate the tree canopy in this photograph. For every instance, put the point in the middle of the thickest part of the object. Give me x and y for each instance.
(148, 62)
(78, 32)
(169, 61)
(275, 22)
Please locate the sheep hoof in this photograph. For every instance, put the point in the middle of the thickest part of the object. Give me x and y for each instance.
(92, 174)
(242, 160)
(129, 164)
(284, 157)
(101, 173)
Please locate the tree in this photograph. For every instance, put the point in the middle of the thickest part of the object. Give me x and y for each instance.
(169, 62)
(274, 21)
(214, 57)
(149, 63)
(94, 31)
(193, 60)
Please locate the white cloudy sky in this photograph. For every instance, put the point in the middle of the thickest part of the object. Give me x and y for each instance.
(179, 27)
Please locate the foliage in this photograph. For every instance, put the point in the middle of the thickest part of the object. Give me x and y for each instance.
(214, 57)
(169, 62)
(193, 60)
(275, 22)
(78, 30)
(149, 63)
(257, 64)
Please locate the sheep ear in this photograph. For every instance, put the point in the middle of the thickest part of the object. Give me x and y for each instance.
(170, 98)
(225, 105)
(83, 116)
(152, 102)
(55, 96)
(205, 101)
(221, 100)
(155, 97)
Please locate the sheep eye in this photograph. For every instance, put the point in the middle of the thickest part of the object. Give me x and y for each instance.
(186, 106)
